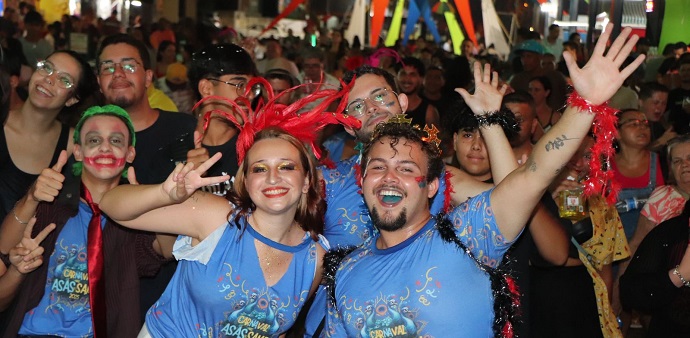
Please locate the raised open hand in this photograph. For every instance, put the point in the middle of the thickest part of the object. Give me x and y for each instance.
(600, 78)
(49, 182)
(27, 255)
(487, 95)
(186, 179)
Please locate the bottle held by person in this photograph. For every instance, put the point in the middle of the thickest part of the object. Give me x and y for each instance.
(571, 203)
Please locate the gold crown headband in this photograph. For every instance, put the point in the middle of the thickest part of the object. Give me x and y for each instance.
(431, 132)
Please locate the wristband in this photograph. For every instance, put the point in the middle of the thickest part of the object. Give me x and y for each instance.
(682, 280)
(505, 118)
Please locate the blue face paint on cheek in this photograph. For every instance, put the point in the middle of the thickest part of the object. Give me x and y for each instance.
(421, 181)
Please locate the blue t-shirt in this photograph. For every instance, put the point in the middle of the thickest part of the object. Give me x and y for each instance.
(424, 286)
(347, 219)
(219, 290)
(64, 309)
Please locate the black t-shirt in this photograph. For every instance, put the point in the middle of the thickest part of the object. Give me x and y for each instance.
(163, 144)
(227, 165)
(14, 183)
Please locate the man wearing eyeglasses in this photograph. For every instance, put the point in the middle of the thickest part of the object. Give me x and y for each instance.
(220, 70)
(124, 75)
(372, 100)
(163, 138)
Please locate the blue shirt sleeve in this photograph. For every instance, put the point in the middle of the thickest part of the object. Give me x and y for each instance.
(475, 226)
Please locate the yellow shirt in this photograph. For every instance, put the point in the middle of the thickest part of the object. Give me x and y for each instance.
(607, 245)
(158, 100)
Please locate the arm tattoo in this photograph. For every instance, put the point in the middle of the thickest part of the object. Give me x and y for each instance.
(557, 143)
(531, 165)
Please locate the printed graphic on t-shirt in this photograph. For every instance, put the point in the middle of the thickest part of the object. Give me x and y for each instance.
(69, 279)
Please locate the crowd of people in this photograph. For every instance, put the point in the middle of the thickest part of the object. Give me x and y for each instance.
(155, 184)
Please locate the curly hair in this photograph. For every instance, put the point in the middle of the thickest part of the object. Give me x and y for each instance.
(398, 131)
(312, 205)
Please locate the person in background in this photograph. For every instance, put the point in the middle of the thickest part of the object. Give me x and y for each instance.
(553, 44)
(540, 90)
(548, 62)
(281, 80)
(161, 33)
(679, 99)
(656, 280)
(666, 201)
(175, 85)
(410, 77)
(653, 99)
(582, 284)
(36, 48)
(165, 56)
(530, 52)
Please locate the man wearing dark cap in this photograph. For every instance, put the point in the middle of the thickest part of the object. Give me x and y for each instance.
(220, 70)
(530, 52)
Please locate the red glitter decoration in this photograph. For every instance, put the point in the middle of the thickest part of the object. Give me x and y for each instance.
(303, 125)
(600, 180)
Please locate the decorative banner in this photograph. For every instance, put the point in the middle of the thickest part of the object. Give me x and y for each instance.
(380, 7)
(456, 35)
(291, 7)
(463, 7)
(493, 34)
(396, 23)
(416, 8)
(430, 23)
(676, 25)
(357, 23)
(412, 17)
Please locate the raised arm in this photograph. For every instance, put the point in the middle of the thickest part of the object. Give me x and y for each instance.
(486, 98)
(515, 197)
(174, 206)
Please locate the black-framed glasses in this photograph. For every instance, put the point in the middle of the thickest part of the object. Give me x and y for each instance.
(636, 123)
(379, 97)
(128, 65)
(47, 68)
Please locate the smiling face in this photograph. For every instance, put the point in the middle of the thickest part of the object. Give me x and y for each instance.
(365, 86)
(46, 92)
(123, 88)
(394, 184)
(104, 147)
(409, 80)
(471, 154)
(275, 178)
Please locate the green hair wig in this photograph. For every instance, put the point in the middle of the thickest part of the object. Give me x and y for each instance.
(109, 110)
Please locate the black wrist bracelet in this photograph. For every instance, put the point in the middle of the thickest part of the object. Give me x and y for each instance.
(505, 118)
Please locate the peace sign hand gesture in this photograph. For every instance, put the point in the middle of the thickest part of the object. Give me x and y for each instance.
(28, 254)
